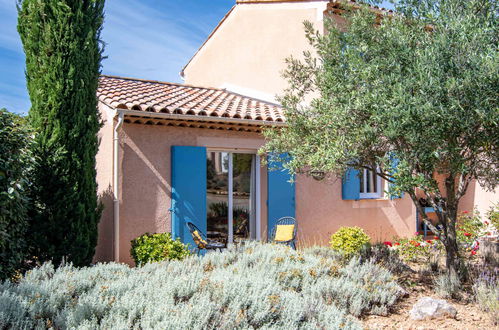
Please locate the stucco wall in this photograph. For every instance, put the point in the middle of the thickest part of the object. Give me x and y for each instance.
(146, 174)
(104, 167)
(250, 47)
(146, 191)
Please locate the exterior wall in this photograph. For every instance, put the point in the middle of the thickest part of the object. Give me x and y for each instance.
(261, 36)
(478, 198)
(104, 167)
(320, 212)
(145, 174)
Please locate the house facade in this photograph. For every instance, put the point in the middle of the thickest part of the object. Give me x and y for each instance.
(172, 153)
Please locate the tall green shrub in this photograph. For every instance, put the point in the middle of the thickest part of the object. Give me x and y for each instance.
(61, 39)
(14, 161)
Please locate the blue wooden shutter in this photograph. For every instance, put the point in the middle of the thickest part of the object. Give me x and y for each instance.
(188, 190)
(394, 163)
(350, 189)
(281, 194)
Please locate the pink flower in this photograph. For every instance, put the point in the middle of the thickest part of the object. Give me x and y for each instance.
(388, 244)
(417, 233)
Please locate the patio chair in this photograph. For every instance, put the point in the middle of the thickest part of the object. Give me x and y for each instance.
(284, 232)
(202, 242)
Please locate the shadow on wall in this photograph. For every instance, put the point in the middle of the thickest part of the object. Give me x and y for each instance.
(104, 249)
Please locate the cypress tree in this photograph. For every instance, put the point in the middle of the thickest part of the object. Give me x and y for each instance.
(61, 40)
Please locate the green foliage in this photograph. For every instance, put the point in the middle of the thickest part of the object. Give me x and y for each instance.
(468, 228)
(61, 40)
(493, 216)
(15, 162)
(421, 85)
(157, 247)
(251, 287)
(349, 240)
(417, 249)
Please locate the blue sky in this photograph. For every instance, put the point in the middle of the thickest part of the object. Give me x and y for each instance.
(151, 39)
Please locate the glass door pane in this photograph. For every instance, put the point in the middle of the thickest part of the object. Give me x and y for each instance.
(242, 197)
(217, 196)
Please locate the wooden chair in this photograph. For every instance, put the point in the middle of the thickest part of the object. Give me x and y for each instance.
(202, 242)
(284, 232)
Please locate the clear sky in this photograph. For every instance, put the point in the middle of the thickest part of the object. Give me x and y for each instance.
(150, 39)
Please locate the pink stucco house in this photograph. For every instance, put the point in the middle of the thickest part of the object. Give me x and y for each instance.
(171, 152)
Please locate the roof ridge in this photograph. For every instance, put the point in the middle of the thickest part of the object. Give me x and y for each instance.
(160, 82)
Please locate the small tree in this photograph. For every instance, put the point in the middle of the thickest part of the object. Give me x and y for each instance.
(418, 87)
(61, 39)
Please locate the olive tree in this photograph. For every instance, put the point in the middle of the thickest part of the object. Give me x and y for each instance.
(411, 94)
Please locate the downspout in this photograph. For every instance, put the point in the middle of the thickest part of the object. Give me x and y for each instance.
(116, 198)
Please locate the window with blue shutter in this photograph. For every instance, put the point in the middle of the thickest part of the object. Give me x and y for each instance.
(281, 193)
(188, 190)
(350, 189)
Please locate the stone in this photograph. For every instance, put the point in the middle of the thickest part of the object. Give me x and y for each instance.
(428, 308)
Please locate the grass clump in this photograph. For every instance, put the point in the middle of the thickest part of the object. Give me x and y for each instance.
(255, 286)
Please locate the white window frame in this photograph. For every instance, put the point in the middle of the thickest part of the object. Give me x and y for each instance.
(379, 189)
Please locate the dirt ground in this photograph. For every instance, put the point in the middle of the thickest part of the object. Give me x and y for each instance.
(469, 316)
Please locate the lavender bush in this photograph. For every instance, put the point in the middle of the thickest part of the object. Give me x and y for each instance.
(486, 292)
(255, 286)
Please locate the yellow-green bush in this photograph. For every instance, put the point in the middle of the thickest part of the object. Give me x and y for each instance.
(349, 240)
(157, 247)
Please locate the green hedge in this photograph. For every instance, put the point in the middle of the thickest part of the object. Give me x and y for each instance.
(15, 161)
(157, 247)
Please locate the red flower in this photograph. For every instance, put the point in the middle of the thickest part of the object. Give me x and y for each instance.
(473, 252)
(467, 234)
(429, 241)
(465, 212)
(435, 238)
(486, 223)
(417, 244)
(397, 243)
(388, 244)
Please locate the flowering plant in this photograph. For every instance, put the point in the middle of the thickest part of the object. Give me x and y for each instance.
(417, 248)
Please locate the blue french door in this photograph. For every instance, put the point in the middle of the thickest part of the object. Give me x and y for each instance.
(188, 190)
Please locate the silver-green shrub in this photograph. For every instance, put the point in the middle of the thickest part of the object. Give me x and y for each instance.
(255, 286)
(448, 285)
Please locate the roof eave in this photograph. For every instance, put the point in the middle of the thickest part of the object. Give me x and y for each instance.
(173, 116)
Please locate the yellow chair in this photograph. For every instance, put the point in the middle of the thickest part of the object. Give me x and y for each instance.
(284, 232)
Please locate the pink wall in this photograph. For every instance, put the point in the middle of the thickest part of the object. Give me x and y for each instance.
(104, 163)
(146, 192)
(145, 175)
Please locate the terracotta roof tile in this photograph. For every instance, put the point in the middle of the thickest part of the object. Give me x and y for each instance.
(163, 97)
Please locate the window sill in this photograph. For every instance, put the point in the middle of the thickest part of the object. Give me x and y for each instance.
(372, 203)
